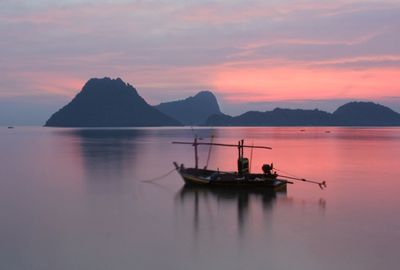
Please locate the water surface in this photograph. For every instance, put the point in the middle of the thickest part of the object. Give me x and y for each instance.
(74, 199)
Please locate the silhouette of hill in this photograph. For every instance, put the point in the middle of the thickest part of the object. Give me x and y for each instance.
(109, 103)
(350, 114)
(113, 103)
(365, 114)
(192, 110)
(277, 117)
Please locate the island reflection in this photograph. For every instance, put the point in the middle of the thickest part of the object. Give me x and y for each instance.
(108, 156)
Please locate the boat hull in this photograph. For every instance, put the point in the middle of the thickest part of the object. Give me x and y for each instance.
(225, 180)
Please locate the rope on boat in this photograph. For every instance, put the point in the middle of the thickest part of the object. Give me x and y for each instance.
(159, 177)
(209, 150)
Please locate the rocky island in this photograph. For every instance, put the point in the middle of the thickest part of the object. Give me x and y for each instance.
(109, 103)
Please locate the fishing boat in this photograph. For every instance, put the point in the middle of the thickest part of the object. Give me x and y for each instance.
(269, 179)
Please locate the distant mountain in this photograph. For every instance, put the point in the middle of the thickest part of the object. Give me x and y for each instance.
(350, 114)
(365, 114)
(109, 103)
(113, 103)
(277, 117)
(192, 110)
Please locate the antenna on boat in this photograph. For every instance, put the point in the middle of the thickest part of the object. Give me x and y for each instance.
(251, 156)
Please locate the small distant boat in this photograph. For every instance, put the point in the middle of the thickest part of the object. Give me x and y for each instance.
(269, 180)
(10, 127)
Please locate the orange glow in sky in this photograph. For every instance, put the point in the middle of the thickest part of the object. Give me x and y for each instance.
(257, 84)
(244, 51)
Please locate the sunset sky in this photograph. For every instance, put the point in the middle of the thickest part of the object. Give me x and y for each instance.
(255, 54)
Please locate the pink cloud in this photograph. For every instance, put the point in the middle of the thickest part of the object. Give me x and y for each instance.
(69, 45)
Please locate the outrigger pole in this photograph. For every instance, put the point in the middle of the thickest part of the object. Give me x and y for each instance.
(240, 147)
(321, 185)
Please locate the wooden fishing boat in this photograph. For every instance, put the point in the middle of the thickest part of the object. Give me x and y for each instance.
(219, 179)
(269, 180)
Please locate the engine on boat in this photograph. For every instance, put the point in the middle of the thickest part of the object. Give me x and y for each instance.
(267, 168)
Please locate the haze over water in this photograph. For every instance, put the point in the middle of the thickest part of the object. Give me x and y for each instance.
(74, 199)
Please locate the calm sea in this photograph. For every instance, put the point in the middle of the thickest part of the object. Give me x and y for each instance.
(75, 199)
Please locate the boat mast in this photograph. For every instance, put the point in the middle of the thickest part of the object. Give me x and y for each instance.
(240, 147)
(240, 151)
(243, 163)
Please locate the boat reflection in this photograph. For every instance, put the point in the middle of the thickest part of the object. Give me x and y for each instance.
(247, 204)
